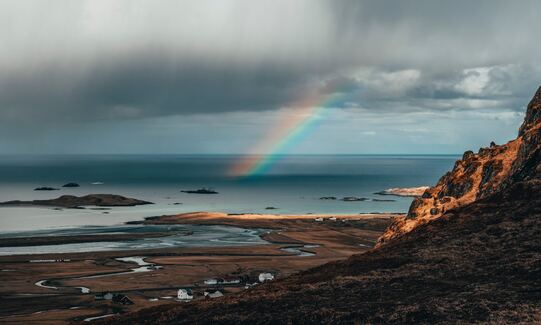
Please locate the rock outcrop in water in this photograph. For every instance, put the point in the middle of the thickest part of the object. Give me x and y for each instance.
(71, 185)
(200, 191)
(478, 175)
(70, 201)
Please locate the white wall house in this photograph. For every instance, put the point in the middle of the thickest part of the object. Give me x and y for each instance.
(185, 294)
(266, 277)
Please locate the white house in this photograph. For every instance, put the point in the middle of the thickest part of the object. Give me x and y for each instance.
(318, 219)
(266, 277)
(185, 294)
(213, 294)
(332, 218)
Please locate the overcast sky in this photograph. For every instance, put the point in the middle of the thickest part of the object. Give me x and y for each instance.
(214, 76)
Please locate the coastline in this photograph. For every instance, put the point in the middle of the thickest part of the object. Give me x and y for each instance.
(295, 243)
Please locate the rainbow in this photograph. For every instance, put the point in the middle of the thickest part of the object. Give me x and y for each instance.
(286, 133)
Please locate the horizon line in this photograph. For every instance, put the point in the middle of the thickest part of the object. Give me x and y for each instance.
(229, 154)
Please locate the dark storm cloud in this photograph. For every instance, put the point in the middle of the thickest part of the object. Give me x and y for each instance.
(88, 60)
(141, 87)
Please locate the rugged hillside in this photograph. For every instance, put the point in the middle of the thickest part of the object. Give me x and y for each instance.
(475, 260)
(478, 175)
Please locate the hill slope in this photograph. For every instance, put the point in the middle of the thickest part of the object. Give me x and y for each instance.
(478, 175)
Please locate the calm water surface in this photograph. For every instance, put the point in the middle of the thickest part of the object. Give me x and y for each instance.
(293, 185)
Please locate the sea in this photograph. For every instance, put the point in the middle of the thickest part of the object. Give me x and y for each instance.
(294, 184)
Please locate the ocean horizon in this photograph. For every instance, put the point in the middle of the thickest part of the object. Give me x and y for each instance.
(293, 184)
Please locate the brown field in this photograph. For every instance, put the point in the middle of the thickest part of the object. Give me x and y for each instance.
(24, 302)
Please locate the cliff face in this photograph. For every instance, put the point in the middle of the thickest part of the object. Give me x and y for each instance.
(478, 175)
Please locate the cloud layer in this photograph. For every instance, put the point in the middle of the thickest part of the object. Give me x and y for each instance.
(81, 63)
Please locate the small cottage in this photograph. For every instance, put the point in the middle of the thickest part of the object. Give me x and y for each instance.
(266, 277)
(185, 294)
(318, 219)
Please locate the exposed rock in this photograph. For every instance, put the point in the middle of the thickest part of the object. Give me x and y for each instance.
(46, 188)
(383, 200)
(200, 191)
(533, 114)
(468, 154)
(71, 185)
(477, 176)
(70, 201)
(353, 199)
(328, 198)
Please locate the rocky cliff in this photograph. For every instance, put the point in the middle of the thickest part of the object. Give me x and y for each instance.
(478, 175)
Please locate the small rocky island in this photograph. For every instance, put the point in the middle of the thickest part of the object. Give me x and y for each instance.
(71, 201)
(45, 188)
(203, 190)
(353, 199)
(71, 185)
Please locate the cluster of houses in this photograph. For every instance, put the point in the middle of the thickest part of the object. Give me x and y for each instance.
(187, 294)
(222, 281)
